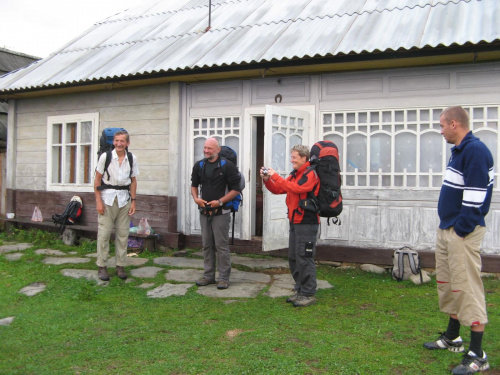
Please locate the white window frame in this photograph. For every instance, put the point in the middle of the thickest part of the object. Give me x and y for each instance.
(392, 128)
(78, 119)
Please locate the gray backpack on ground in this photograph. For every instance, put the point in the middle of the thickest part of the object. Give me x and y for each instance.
(406, 262)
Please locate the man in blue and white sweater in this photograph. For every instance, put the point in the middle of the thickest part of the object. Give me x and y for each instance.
(463, 203)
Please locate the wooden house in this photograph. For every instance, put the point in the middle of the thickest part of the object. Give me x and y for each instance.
(263, 75)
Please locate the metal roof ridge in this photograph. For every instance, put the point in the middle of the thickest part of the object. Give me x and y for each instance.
(290, 20)
(396, 7)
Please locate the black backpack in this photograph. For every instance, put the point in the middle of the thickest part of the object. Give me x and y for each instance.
(106, 146)
(71, 214)
(325, 161)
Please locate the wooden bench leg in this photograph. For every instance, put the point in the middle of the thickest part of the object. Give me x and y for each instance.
(149, 244)
(69, 236)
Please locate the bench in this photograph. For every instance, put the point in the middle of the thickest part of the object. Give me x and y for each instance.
(73, 232)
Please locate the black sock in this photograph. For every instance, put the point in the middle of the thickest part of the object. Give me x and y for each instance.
(476, 340)
(453, 330)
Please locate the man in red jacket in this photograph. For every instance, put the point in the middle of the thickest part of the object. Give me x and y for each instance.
(304, 224)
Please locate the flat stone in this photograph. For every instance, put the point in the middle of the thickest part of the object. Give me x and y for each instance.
(6, 321)
(128, 261)
(372, 268)
(179, 262)
(9, 248)
(57, 261)
(259, 263)
(186, 275)
(146, 285)
(415, 279)
(90, 275)
(167, 290)
(146, 272)
(238, 276)
(33, 289)
(236, 290)
(276, 291)
(111, 263)
(50, 252)
(256, 263)
(284, 281)
(323, 284)
(13, 256)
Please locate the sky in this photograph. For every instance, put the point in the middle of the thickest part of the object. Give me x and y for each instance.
(40, 27)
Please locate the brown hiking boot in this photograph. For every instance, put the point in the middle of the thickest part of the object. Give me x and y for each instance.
(222, 284)
(303, 301)
(293, 298)
(121, 273)
(102, 273)
(204, 281)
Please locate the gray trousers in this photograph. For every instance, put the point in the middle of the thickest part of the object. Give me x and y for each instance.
(215, 237)
(303, 268)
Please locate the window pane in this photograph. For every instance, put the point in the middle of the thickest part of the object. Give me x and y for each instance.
(71, 132)
(489, 139)
(56, 133)
(86, 132)
(431, 154)
(70, 165)
(198, 148)
(234, 143)
(279, 156)
(56, 164)
(406, 152)
(85, 164)
(380, 153)
(356, 153)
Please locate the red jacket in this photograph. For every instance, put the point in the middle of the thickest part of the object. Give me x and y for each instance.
(296, 186)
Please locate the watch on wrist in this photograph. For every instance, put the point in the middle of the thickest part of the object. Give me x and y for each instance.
(220, 203)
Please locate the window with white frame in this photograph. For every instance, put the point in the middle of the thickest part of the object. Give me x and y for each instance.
(225, 128)
(400, 148)
(71, 145)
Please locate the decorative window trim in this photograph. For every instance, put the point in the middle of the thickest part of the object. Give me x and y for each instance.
(223, 127)
(391, 124)
(77, 186)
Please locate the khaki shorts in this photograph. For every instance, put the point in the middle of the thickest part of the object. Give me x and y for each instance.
(458, 276)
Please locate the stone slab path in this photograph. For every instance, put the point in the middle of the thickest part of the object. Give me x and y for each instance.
(267, 276)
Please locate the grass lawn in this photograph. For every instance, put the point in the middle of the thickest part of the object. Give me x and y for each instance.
(366, 324)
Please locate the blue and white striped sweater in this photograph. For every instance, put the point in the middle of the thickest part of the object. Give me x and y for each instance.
(467, 188)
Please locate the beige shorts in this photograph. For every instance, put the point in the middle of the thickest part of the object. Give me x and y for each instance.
(458, 276)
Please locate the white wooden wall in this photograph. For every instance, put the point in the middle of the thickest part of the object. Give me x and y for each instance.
(378, 217)
(144, 112)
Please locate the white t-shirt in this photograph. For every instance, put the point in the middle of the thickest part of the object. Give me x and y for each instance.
(119, 175)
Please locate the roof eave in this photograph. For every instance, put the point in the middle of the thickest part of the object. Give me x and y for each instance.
(362, 61)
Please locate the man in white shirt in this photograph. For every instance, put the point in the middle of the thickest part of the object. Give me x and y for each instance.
(115, 192)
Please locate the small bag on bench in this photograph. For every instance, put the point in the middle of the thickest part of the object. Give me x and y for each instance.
(405, 263)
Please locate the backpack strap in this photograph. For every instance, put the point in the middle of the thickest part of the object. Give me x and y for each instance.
(414, 269)
(105, 186)
(401, 266)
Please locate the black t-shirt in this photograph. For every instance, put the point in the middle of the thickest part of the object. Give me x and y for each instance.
(216, 178)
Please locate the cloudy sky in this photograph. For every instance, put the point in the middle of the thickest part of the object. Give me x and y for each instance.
(40, 27)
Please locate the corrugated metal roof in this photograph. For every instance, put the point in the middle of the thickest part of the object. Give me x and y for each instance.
(12, 60)
(162, 36)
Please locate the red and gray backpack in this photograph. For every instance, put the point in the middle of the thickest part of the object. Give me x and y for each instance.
(325, 161)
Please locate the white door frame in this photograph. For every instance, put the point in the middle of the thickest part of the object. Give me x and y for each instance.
(248, 164)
